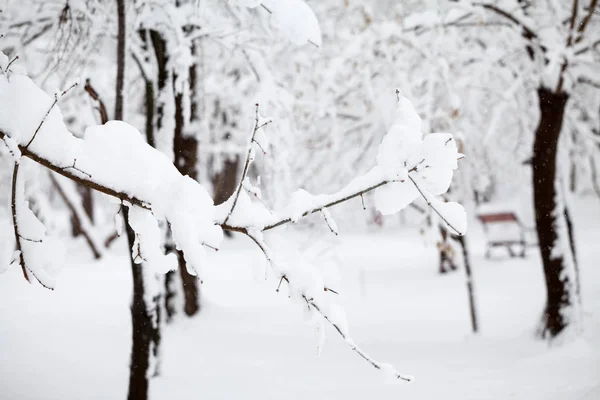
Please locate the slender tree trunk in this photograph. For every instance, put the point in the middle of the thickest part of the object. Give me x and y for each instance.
(144, 317)
(225, 181)
(186, 155)
(553, 228)
(470, 283)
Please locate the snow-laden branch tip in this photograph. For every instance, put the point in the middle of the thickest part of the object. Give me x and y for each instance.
(306, 284)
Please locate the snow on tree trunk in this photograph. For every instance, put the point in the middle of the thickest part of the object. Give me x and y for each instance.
(185, 148)
(145, 327)
(553, 230)
(145, 321)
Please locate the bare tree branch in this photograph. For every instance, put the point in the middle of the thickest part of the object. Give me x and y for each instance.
(13, 204)
(96, 97)
(246, 164)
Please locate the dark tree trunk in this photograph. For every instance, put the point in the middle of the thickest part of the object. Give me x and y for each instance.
(88, 205)
(470, 284)
(144, 317)
(185, 148)
(186, 155)
(551, 222)
(225, 181)
(120, 84)
(145, 330)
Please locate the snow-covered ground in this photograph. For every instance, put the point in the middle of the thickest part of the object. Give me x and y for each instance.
(249, 342)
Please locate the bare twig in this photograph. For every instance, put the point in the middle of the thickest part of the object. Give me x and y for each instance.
(353, 346)
(246, 164)
(11, 63)
(18, 237)
(57, 96)
(528, 33)
(433, 208)
(13, 204)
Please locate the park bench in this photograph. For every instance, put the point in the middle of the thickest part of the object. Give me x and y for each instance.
(504, 229)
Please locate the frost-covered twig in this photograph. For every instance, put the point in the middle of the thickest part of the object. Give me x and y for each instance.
(247, 163)
(331, 203)
(10, 63)
(57, 96)
(329, 221)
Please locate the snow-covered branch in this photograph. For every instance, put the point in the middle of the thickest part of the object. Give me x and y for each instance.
(114, 159)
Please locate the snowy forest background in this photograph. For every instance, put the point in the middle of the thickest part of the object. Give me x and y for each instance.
(163, 232)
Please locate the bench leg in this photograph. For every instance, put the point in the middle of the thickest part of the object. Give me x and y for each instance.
(510, 251)
(523, 249)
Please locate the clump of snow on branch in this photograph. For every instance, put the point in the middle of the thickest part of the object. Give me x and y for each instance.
(415, 166)
(147, 246)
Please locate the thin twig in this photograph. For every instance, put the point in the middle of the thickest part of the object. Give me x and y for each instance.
(13, 204)
(18, 237)
(246, 164)
(57, 97)
(353, 347)
(433, 208)
(11, 63)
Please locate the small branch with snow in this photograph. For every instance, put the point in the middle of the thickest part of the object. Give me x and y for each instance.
(249, 159)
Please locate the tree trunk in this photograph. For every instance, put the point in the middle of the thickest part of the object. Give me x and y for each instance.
(553, 231)
(185, 148)
(144, 317)
(145, 327)
(225, 181)
(470, 284)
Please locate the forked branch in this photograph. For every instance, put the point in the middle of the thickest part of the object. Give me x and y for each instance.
(249, 159)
